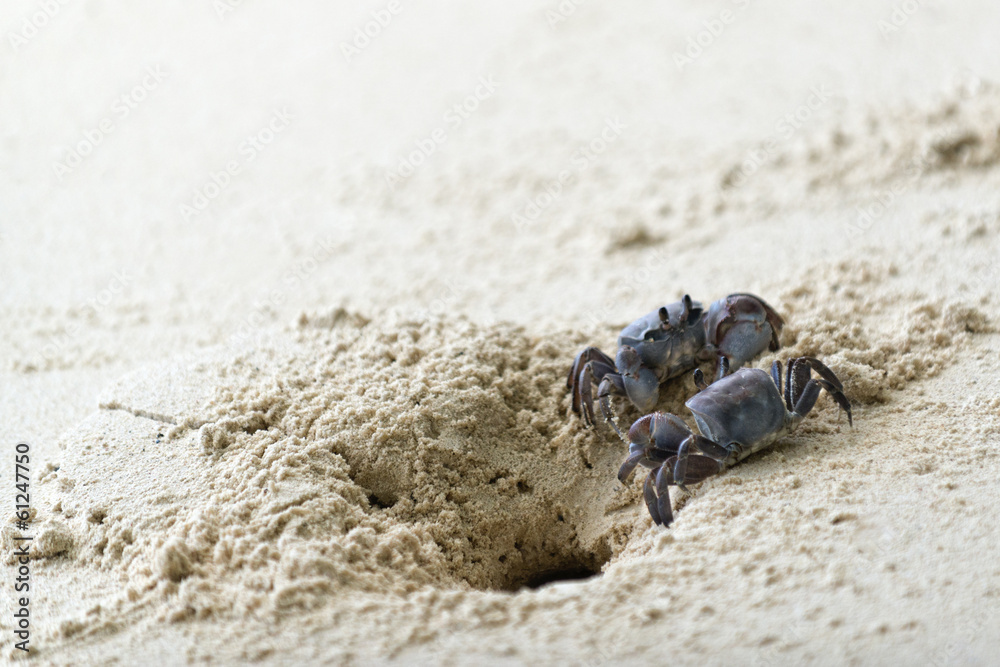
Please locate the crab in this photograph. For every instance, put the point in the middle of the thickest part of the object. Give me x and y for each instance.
(669, 342)
(737, 415)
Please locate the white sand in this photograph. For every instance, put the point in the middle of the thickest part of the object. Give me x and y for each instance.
(324, 420)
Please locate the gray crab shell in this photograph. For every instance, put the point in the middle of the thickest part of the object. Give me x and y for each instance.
(744, 407)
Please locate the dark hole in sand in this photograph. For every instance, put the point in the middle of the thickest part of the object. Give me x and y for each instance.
(380, 502)
(576, 572)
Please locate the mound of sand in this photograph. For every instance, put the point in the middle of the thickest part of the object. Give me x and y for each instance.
(352, 456)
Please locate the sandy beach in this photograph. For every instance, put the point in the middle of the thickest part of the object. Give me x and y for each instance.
(288, 296)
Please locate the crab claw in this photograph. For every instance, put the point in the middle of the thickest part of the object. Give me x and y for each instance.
(656, 490)
(801, 391)
(651, 440)
(641, 384)
(741, 326)
(654, 502)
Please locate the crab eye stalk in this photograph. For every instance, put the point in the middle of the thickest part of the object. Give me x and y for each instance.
(686, 301)
(664, 319)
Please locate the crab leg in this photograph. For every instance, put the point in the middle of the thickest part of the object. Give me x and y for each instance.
(586, 355)
(709, 451)
(649, 495)
(576, 379)
(611, 383)
(583, 397)
(800, 375)
(664, 478)
(788, 385)
(776, 374)
(631, 462)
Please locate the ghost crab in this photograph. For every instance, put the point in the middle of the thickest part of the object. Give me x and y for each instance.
(737, 415)
(671, 341)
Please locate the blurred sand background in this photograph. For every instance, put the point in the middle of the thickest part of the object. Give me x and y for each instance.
(291, 403)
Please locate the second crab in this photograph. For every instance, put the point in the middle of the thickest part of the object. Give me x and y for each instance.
(668, 342)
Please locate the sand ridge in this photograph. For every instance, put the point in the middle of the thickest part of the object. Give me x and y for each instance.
(388, 458)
